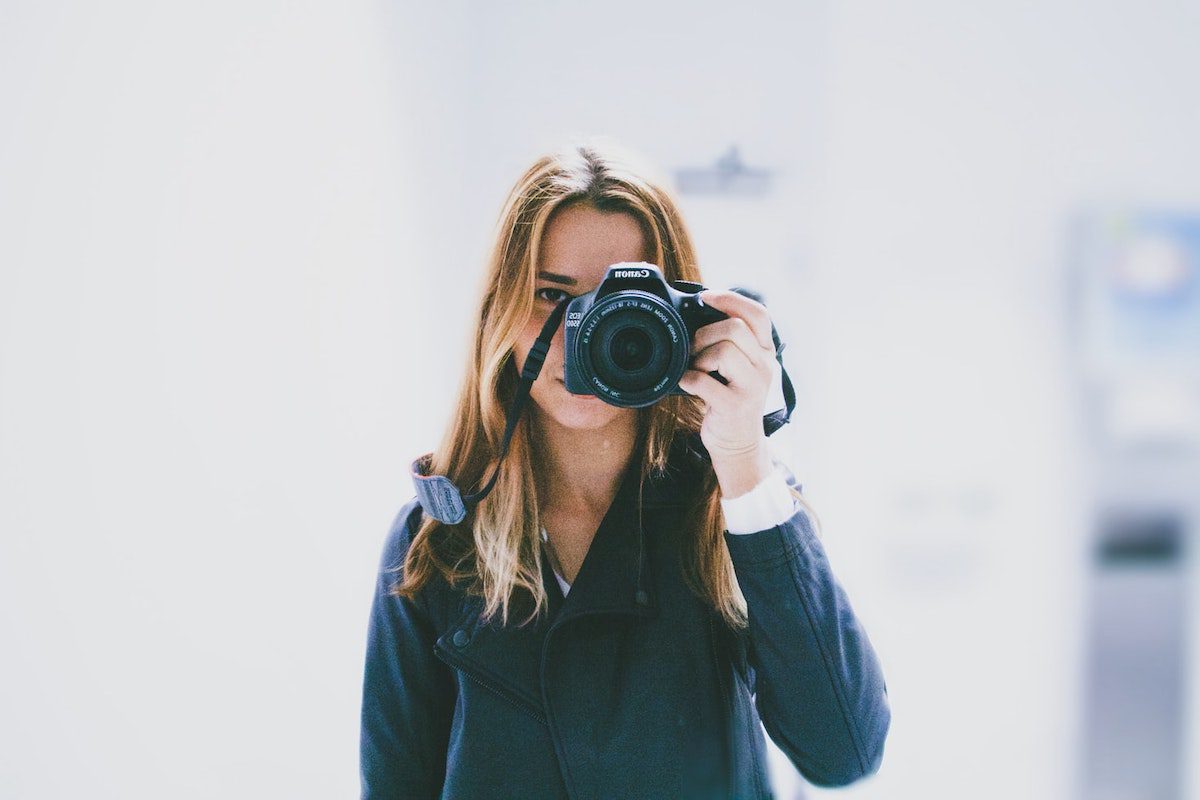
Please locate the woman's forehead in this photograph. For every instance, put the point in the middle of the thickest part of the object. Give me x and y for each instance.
(580, 244)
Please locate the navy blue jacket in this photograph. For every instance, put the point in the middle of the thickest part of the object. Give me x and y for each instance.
(631, 687)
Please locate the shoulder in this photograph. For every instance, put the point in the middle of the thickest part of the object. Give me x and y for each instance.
(434, 596)
(399, 536)
(396, 546)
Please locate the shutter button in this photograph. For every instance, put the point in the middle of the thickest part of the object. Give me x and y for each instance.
(461, 638)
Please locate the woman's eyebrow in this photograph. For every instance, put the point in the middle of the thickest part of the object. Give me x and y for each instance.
(556, 278)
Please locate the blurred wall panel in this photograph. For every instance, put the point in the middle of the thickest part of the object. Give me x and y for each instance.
(1136, 337)
(960, 140)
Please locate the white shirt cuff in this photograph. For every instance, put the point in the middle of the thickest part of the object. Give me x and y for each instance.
(766, 505)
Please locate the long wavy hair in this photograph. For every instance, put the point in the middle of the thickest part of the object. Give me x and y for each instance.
(496, 549)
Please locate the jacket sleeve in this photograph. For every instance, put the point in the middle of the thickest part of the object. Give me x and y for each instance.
(819, 689)
(408, 693)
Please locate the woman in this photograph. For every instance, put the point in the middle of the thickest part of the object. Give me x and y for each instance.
(641, 586)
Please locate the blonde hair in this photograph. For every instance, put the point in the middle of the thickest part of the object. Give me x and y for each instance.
(496, 549)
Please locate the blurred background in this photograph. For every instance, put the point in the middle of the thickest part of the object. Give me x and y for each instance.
(238, 245)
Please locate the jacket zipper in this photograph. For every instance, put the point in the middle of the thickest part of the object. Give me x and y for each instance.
(488, 685)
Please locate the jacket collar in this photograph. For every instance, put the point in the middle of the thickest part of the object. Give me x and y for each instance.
(618, 564)
(615, 575)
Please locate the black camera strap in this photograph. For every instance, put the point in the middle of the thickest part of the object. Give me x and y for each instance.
(777, 419)
(443, 501)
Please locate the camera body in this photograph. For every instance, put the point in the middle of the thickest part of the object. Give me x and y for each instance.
(629, 340)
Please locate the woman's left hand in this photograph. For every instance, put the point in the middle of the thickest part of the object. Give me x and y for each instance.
(741, 350)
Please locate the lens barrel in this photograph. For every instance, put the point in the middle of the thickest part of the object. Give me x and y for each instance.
(631, 348)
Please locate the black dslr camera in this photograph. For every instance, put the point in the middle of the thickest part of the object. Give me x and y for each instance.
(629, 340)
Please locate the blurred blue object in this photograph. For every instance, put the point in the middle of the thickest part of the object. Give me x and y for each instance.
(1137, 330)
(1140, 282)
(729, 176)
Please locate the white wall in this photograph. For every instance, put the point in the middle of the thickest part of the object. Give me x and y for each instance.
(229, 234)
(205, 345)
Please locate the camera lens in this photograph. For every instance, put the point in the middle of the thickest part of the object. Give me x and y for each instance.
(630, 349)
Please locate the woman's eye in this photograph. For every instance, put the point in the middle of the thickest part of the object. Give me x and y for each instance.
(555, 300)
